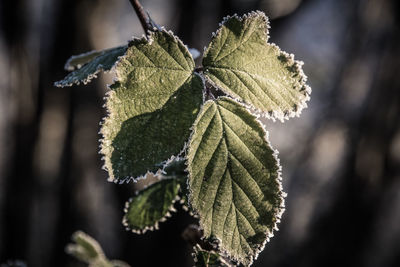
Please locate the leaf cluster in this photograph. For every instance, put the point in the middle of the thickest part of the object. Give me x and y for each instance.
(212, 153)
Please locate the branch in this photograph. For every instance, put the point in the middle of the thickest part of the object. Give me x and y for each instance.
(141, 15)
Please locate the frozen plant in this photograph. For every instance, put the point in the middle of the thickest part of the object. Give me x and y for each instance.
(195, 128)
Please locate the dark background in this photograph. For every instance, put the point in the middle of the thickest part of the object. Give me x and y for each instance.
(341, 158)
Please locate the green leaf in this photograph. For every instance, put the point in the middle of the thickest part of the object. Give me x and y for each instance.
(204, 258)
(88, 250)
(241, 63)
(151, 106)
(234, 179)
(89, 64)
(151, 205)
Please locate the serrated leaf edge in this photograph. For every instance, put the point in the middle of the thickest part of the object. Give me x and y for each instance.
(278, 212)
(148, 38)
(162, 172)
(297, 64)
(91, 76)
(167, 215)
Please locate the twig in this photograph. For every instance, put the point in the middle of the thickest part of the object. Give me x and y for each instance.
(141, 15)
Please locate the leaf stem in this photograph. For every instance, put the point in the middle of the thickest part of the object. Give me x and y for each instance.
(209, 95)
(137, 6)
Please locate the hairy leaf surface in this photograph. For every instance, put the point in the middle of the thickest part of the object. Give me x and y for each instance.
(241, 62)
(151, 106)
(89, 64)
(151, 205)
(204, 258)
(234, 179)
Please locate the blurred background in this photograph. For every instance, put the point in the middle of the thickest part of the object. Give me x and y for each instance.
(341, 158)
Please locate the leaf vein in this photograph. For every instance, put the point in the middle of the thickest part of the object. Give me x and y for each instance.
(242, 140)
(202, 138)
(240, 44)
(174, 59)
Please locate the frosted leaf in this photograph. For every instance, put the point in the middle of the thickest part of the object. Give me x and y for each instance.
(241, 62)
(86, 66)
(151, 205)
(152, 105)
(234, 179)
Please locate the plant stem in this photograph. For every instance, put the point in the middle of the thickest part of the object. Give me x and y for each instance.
(141, 15)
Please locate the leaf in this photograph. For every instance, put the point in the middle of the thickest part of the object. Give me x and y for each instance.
(76, 62)
(151, 205)
(241, 63)
(88, 250)
(234, 179)
(89, 64)
(151, 106)
(204, 258)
